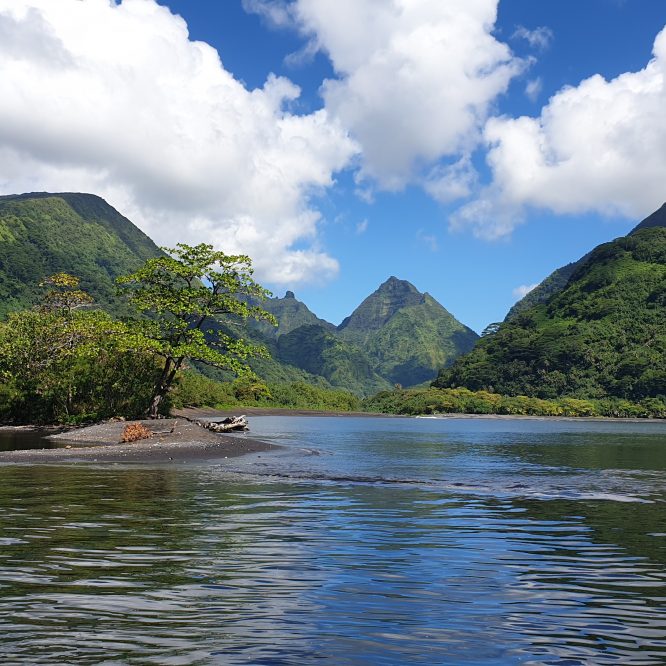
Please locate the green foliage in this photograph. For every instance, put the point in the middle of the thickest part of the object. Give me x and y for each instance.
(42, 234)
(601, 336)
(406, 335)
(194, 390)
(464, 401)
(183, 294)
(317, 351)
(62, 364)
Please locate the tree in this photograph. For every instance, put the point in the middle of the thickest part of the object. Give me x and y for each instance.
(61, 361)
(184, 295)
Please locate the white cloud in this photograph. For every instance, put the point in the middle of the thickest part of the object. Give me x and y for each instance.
(116, 100)
(523, 290)
(599, 146)
(533, 88)
(446, 183)
(416, 79)
(539, 38)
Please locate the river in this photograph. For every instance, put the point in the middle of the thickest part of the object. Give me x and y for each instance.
(363, 541)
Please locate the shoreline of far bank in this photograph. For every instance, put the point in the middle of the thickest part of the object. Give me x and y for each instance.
(194, 413)
(175, 441)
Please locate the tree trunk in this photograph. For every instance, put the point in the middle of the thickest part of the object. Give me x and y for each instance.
(169, 371)
(154, 409)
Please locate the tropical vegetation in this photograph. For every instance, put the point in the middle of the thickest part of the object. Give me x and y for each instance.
(601, 336)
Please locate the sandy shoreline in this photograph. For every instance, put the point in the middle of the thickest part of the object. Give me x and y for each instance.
(187, 443)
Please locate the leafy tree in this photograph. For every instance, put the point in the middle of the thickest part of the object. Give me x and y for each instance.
(61, 362)
(184, 295)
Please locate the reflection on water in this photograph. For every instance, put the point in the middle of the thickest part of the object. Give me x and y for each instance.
(400, 542)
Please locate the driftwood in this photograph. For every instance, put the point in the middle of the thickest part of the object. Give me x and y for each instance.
(230, 424)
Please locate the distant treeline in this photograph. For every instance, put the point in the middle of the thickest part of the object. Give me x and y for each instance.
(195, 390)
(464, 401)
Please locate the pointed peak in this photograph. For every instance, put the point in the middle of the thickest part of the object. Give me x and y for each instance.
(395, 284)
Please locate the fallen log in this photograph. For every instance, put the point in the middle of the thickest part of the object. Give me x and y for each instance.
(230, 424)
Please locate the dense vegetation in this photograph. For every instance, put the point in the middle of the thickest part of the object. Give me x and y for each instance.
(560, 277)
(464, 401)
(603, 335)
(60, 363)
(196, 390)
(406, 335)
(79, 234)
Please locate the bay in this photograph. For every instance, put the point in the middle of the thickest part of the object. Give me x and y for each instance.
(362, 541)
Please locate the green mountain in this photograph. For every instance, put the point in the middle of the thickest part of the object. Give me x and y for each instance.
(601, 334)
(559, 278)
(407, 335)
(397, 335)
(290, 314)
(42, 234)
(319, 351)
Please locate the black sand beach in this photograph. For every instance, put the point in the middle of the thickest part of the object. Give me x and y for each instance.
(188, 443)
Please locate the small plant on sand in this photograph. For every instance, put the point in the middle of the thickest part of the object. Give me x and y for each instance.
(134, 432)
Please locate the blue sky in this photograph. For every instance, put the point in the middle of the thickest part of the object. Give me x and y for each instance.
(459, 145)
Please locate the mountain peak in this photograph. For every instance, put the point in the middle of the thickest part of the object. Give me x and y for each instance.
(290, 294)
(394, 284)
(656, 219)
(391, 297)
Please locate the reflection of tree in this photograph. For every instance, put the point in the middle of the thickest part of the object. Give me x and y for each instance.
(141, 523)
(626, 525)
(589, 451)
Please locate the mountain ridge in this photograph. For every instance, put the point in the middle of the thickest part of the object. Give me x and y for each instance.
(396, 335)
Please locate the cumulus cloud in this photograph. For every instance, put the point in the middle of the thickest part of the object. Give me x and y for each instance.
(116, 99)
(523, 290)
(415, 79)
(596, 147)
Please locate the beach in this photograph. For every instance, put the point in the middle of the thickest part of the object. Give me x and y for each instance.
(175, 441)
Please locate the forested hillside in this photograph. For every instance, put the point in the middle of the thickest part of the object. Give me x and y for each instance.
(81, 234)
(603, 334)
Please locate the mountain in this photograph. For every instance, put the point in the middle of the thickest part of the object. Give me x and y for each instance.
(42, 234)
(406, 334)
(290, 314)
(396, 335)
(559, 278)
(657, 219)
(319, 351)
(601, 334)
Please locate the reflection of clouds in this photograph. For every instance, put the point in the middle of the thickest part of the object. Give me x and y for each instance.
(217, 567)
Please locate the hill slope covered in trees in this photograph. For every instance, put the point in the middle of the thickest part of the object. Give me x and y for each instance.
(601, 334)
(80, 234)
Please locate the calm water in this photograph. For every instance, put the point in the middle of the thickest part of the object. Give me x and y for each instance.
(367, 541)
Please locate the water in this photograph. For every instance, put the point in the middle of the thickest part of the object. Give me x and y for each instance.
(367, 541)
(20, 439)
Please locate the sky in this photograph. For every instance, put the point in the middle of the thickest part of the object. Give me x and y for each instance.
(468, 146)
